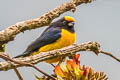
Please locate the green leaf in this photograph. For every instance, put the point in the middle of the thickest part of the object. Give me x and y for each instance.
(2, 48)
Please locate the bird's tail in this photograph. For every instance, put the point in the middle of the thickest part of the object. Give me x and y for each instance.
(22, 55)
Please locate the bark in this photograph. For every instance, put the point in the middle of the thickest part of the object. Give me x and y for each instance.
(88, 46)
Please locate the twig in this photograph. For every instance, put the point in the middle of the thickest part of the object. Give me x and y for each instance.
(42, 72)
(109, 54)
(7, 58)
(24, 64)
(53, 65)
(18, 74)
(44, 20)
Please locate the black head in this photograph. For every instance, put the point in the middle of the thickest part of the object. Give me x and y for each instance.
(66, 22)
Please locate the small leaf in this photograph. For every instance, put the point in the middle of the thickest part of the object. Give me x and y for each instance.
(2, 48)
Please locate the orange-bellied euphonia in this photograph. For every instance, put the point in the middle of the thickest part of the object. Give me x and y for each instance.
(58, 35)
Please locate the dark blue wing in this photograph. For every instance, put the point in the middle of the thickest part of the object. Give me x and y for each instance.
(50, 35)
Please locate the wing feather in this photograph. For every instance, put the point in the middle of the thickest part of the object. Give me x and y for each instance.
(50, 35)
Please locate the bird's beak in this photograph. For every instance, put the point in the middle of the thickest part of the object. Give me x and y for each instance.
(71, 24)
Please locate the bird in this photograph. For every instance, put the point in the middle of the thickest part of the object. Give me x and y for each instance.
(59, 34)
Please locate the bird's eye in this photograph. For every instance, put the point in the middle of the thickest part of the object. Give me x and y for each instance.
(64, 22)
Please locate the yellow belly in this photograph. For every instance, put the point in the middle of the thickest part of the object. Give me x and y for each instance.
(66, 39)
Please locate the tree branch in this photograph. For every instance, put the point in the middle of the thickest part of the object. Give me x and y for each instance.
(44, 20)
(7, 58)
(66, 51)
(18, 74)
(88, 46)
